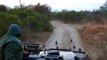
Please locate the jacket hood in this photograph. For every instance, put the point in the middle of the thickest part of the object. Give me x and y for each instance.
(14, 29)
(13, 32)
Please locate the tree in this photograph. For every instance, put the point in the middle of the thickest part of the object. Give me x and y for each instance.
(3, 8)
(104, 7)
(7, 19)
(42, 8)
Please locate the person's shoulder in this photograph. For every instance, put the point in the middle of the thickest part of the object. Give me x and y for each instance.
(13, 39)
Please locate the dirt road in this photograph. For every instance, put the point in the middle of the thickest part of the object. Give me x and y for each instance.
(63, 34)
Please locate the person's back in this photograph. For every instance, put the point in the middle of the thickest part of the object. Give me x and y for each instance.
(10, 45)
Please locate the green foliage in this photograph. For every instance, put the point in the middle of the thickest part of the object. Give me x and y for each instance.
(6, 20)
(35, 22)
(27, 18)
(22, 13)
(68, 15)
(3, 8)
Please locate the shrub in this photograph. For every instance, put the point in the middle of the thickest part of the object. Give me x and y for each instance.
(7, 19)
(28, 18)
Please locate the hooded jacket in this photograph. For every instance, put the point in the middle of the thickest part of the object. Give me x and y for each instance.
(10, 45)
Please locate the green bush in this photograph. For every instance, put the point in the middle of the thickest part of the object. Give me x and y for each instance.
(7, 19)
(68, 15)
(37, 21)
(27, 18)
(3, 8)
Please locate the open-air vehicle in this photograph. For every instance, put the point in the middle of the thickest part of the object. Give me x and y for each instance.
(34, 53)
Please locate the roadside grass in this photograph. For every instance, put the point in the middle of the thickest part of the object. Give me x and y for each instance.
(94, 38)
(39, 38)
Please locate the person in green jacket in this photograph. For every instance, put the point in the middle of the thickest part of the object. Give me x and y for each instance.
(10, 45)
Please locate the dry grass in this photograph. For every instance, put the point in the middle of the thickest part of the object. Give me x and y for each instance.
(94, 37)
(39, 38)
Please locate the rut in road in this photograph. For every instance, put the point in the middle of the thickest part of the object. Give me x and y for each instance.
(63, 34)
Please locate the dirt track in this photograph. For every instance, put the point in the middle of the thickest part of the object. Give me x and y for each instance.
(63, 34)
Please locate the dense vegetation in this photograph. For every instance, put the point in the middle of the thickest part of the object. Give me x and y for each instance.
(31, 18)
(82, 16)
